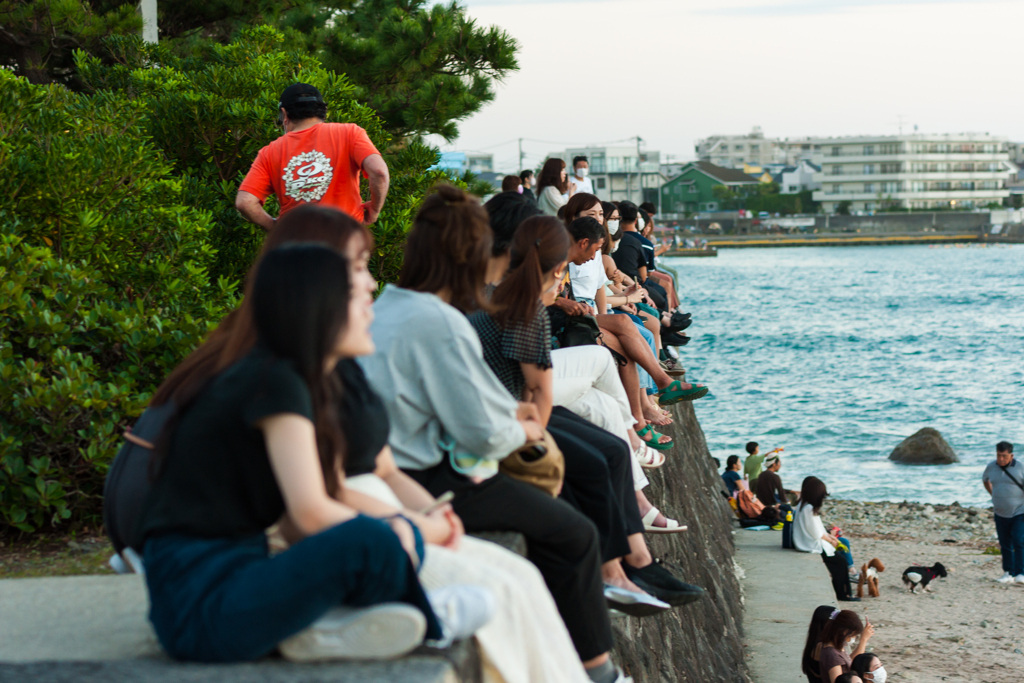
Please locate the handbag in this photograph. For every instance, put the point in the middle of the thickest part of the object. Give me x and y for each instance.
(538, 463)
(579, 330)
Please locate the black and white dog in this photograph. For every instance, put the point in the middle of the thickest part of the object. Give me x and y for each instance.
(922, 576)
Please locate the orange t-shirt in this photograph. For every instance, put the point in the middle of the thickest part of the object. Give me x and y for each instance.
(319, 164)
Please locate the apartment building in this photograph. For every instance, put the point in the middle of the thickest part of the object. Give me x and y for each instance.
(735, 151)
(919, 171)
(620, 172)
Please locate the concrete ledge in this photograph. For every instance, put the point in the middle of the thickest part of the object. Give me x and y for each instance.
(781, 590)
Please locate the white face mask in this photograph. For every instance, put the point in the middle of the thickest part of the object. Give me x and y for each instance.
(613, 226)
(879, 675)
(640, 223)
(582, 172)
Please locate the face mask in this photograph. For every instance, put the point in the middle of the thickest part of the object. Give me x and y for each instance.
(879, 674)
(613, 226)
(640, 223)
(519, 189)
(582, 172)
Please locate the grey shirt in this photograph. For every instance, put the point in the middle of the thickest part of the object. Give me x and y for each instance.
(1007, 497)
(429, 369)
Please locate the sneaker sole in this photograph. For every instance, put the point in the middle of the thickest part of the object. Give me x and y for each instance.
(381, 632)
(691, 397)
(635, 609)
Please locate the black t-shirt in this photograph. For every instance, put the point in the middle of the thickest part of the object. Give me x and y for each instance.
(630, 256)
(364, 420)
(216, 480)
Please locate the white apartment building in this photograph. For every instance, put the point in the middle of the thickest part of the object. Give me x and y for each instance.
(733, 151)
(919, 171)
(620, 172)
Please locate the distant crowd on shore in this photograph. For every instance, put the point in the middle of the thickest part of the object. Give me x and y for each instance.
(318, 462)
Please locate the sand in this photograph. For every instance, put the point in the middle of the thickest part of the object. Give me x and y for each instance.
(969, 628)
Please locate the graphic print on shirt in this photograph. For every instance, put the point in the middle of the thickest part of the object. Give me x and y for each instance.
(307, 176)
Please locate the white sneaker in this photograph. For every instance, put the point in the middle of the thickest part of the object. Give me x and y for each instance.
(1019, 578)
(462, 610)
(1007, 577)
(379, 632)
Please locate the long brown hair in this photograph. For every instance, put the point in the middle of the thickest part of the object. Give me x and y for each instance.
(609, 209)
(236, 334)
(538, 246)
(551, 174)
(448, 249)
(841, 627)
(813, 493)
(577, 204)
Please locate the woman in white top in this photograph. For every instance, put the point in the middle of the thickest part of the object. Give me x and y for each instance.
(553, 189)
(809, 536)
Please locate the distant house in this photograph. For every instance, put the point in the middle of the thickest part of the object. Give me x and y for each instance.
(796, 179)
(693, 190)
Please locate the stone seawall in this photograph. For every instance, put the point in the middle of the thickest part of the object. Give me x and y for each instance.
(701, 642)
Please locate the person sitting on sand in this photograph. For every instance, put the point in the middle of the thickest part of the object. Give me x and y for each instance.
(842, 627)
(809, 536)
(869, 667)
(810, 662)
(733, 481)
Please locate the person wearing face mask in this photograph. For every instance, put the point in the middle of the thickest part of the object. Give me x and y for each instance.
(580, 181)
(528, 179)
(869, 667)
(842, 627)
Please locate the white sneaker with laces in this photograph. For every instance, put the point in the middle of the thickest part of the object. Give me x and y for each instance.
(1007, 577)
(462, 610)
(380, 632)
(1019, 578)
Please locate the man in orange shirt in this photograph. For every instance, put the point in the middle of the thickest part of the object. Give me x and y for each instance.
(313, 162)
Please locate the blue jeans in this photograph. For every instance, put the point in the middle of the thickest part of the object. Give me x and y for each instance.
(1011, 542)
(225, 600)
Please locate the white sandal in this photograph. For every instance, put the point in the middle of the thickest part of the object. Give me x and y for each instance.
(673, 527)
(649, 458)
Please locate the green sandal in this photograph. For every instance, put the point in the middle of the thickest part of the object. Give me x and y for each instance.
(653, 443)
(674, 393)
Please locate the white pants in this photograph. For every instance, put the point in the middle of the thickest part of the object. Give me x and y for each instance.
(585, 380)
(526, 641)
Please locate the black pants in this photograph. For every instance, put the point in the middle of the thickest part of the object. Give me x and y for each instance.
(658, 294)
(560, 541)
(840, 573)
(598, 479)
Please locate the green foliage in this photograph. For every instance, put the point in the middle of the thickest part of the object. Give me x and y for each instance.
(423, 67)
(843, 209)
(105, 286)
(764, 197)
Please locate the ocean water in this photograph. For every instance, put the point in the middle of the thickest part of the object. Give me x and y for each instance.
(838, 354)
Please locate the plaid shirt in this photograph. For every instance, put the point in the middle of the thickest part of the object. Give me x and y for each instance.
(505, 349)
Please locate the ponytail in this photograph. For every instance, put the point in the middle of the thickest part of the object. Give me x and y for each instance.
(539, 245)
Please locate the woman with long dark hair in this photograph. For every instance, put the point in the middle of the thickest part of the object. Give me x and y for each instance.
(809, 536)
(809, 662)
(254, 442)
(840, 630)
(553, 188)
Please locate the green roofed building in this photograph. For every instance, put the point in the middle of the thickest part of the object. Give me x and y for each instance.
(693, 191)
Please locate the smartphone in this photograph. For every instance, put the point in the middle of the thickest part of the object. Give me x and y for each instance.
(441, 501)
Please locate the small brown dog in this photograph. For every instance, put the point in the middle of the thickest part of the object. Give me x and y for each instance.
(869, 575)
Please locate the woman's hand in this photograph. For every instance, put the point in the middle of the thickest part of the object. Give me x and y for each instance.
(618, 277)
(831, 540)
(447, 514)
(405, 534)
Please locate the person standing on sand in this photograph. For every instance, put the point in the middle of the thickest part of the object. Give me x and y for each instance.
(1004, 480)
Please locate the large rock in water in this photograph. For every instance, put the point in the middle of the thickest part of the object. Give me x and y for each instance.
(926, 447)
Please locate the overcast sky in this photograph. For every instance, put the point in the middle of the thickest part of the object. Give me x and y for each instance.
(673, 71)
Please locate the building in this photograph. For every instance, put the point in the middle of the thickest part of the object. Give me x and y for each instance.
(620, 173)
(733, 151)
(798, 178)
(457, 163)
(918, 171)
(791, 151)
(693, 190)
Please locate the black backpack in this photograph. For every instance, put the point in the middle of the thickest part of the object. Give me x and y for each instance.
(127, 484)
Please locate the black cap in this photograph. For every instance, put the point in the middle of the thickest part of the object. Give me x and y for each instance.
(299, 93)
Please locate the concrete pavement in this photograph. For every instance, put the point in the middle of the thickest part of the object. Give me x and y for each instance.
(781, 589)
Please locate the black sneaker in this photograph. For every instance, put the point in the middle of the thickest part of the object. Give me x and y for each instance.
(674, 339)
(662, 584)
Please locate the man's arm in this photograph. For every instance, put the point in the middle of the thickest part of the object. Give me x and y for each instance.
(376, 171)
(988, 486)
(251, 209)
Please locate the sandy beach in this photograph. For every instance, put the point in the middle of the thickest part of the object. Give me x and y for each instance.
(969, 628)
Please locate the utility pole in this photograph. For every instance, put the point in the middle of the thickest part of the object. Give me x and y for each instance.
(150, 33)
(521, 155)
(639, 172)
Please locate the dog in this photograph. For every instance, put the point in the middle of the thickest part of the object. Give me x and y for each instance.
(869, 576)
(922, 576)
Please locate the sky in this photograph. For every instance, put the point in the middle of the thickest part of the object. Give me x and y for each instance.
(674, 71)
